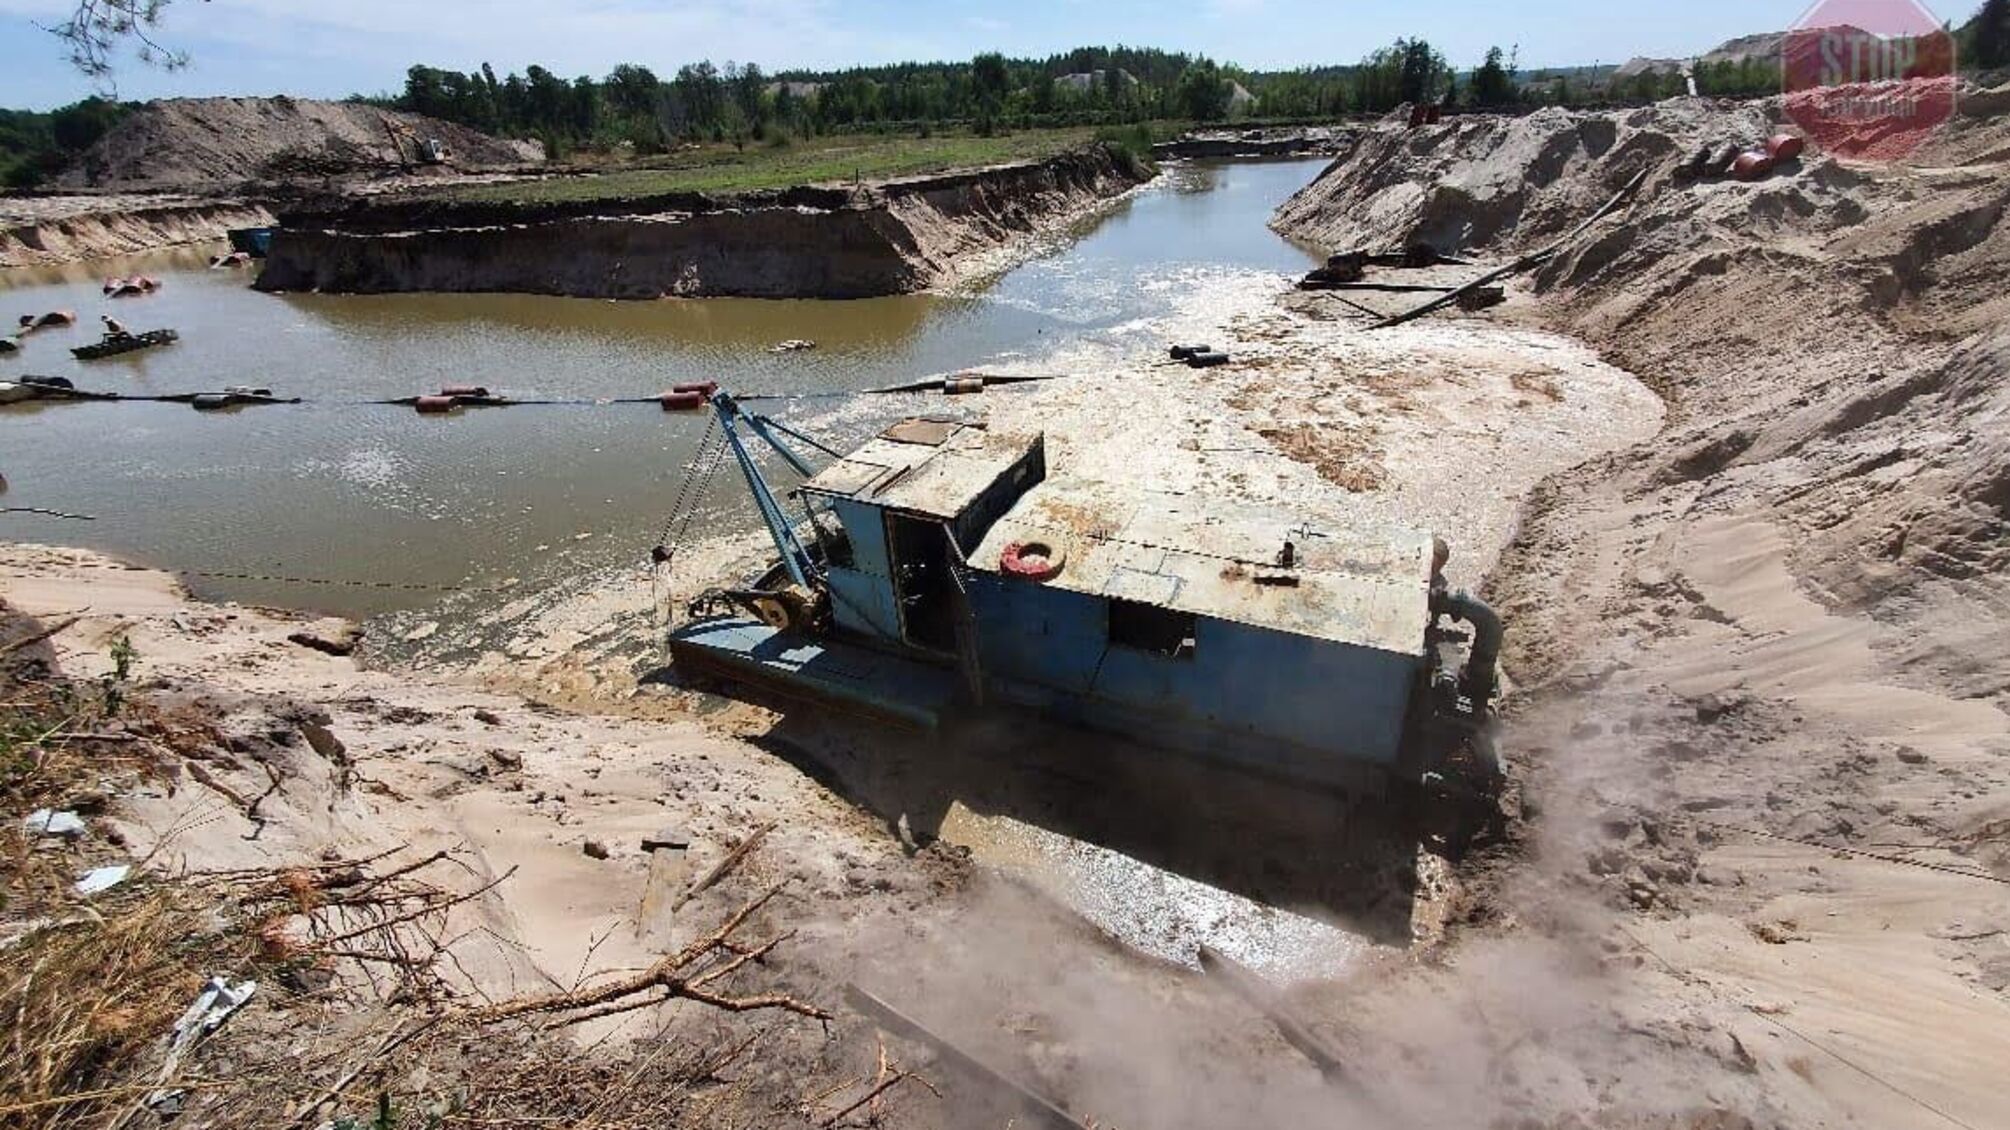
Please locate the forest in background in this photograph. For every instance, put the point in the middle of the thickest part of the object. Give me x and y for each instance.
(1091, 86)
(633, 108)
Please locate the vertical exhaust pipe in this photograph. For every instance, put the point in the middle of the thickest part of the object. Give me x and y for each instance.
(1479, 680)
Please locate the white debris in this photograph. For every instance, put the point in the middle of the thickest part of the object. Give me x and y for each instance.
(103, 879)
(47, 822)
(211, 1007)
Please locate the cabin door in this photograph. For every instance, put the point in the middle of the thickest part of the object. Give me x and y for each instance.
(919, 550)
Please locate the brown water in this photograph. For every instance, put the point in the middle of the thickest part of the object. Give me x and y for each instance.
(374, 508)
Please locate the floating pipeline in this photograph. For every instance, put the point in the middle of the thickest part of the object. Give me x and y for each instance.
(685, 397)
(898, 237)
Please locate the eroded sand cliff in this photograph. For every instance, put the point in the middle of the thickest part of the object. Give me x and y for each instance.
(892, 238)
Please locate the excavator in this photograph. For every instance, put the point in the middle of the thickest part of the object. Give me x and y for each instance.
(411, 148)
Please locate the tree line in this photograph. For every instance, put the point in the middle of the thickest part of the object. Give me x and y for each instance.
(36, 145)
(742, 103)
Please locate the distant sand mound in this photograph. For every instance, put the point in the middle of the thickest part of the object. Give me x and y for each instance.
(217, 143)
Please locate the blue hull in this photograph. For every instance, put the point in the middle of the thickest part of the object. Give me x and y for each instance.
(844, 677)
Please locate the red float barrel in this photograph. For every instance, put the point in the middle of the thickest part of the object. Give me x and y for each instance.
(465, 390)
(1752, 165)
(432, 405)
(702, 388)
(681, 401)
(1785, 146)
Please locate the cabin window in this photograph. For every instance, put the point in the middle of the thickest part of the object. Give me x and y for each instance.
(1149, 627)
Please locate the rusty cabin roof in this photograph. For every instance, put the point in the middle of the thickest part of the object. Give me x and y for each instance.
(1365, 583)
(931, 467)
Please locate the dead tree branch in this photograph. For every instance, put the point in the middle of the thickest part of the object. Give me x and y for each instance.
(669, 979)
(13, 646)
(725, 865)
(872, 1096)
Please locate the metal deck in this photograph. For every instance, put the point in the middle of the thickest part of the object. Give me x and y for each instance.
(844, 676)
(1366, 584)
(934, 468)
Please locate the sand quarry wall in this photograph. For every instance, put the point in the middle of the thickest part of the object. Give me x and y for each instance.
(1775, 633)
(892, 238)
(1818, 335)
(69, 234)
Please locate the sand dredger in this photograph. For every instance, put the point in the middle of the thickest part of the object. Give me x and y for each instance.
(943, 567)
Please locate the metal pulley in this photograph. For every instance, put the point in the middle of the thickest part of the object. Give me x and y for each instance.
(784, 610)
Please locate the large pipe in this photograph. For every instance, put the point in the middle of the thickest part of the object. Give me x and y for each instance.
(1479, 680)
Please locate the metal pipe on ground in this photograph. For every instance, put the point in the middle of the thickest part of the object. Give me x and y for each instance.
(1045, 1112)
(1532, 259)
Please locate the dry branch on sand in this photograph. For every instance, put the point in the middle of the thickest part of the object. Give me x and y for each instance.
(686, 974)
(360, 1001)
(88, 997)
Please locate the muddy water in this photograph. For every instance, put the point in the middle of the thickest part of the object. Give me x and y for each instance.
(369, 508)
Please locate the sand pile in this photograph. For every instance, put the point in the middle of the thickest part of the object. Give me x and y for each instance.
(212, 143)
(1809, 317)
(1774, 635)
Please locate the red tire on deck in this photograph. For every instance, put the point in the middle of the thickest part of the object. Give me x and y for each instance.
(1033, 560)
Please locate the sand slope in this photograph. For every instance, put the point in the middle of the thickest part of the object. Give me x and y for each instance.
(207, 144)
(1769, 737)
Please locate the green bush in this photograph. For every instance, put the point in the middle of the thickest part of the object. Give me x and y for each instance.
(1131, 145)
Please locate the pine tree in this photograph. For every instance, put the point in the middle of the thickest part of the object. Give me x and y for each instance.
(1992, 35)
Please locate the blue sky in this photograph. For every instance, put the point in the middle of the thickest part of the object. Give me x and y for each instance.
(328, 48)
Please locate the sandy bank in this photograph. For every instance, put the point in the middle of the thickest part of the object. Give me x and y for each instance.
(67, 229)
(1767, 725)
(430, 763)
(892, 238)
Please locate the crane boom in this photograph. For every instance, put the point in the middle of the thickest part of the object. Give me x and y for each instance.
(796, 559)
